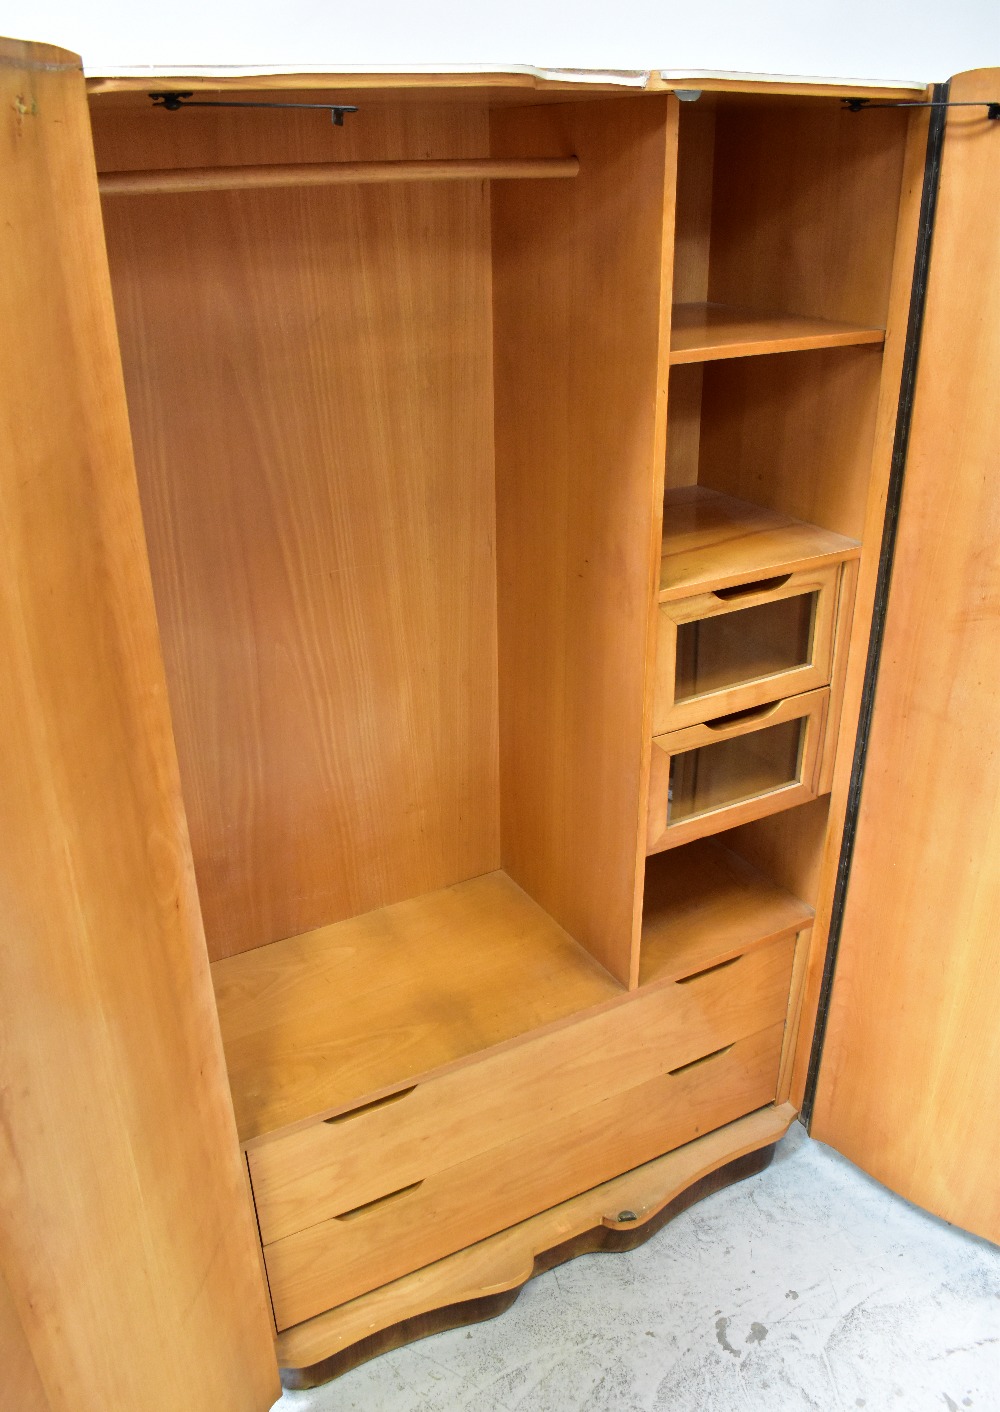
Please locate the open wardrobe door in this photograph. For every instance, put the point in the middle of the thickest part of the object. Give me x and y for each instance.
(909, 1072)
(128, 1271)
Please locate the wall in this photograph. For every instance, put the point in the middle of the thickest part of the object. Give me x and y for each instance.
(888, 39)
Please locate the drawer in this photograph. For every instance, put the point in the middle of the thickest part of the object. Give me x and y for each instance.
(341, 1170)
(740, 647)
(335, 1166)
(564, 1154)
(733, 769)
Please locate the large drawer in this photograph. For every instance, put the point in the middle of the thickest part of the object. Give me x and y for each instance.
(335, 1166)
(346, 1255)
(364, 1171)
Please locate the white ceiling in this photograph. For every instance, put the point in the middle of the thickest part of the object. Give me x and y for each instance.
(867, 39)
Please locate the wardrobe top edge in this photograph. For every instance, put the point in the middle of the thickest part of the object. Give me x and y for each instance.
(492, 88)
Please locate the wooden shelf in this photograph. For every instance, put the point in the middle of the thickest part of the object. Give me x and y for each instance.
(712, 541)
(702, 332)
(314, 1023)
(703, 905)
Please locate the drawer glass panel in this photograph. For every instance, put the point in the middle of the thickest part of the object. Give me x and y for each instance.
(731, 771)
(745, 645)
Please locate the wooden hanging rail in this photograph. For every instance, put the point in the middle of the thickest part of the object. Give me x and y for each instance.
(332, 174)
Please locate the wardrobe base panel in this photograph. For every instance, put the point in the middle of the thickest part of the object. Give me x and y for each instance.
(483, 1280)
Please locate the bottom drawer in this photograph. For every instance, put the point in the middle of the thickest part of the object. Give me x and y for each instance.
(345, 1256)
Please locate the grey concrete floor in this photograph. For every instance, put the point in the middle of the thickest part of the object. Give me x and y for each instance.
(806, 1287)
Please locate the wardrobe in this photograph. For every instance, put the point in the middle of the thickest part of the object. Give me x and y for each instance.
(499, 610)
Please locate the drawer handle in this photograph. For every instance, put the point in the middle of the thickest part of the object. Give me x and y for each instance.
(740, 590)
(379, 1201)
(368, 1107)
(752, 713)
(683, 1068)
(696, 975)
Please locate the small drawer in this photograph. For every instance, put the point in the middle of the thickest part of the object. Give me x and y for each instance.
(565, 1153)
(740, 647)
(399, 1182)
(728, 771)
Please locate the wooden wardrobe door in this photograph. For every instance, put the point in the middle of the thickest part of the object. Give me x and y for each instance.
(909, 1085)
(126, 1245)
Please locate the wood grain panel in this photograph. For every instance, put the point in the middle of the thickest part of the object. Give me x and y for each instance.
(804, 209)
(794, 433)
(314, 1023)
(910, 1082)
(693, 212)
(789, 847)
(309, 380)
(22, 1385)
(329, 1168)
(126, 1239)
(339, 1259)
(511, 1257)
(684, 430)
(689, 284)
(580, 276)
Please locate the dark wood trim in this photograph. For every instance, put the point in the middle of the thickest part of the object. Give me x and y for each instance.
(474, 1311)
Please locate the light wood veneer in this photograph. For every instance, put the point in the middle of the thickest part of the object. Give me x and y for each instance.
(339, 1259)
(126, 1240)
(910, 1081)
(506, 1260)
(334, 1167)
(317, 1022)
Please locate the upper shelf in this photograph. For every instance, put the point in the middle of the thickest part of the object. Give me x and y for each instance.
(702, 332)
(314, 1023)
(711, 541)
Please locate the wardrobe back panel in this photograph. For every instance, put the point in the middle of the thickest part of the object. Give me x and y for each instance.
(310, 387)
(794, 432)
(804, 206)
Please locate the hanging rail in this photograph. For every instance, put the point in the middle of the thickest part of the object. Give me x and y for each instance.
(186, 179)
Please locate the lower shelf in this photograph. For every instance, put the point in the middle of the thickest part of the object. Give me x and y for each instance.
(704, 904)
(483, 1279)
(314, 1023)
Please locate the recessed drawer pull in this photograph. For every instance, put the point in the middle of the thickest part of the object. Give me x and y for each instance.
(683, 1068)
(753, 713)
(719, 966)
(741, 590)
(379, 1201)
(369, 1107)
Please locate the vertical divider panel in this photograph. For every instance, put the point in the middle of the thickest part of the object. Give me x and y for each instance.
(581, 302)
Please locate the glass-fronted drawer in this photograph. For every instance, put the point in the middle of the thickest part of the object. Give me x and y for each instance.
(735, 648)
(736, 768)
